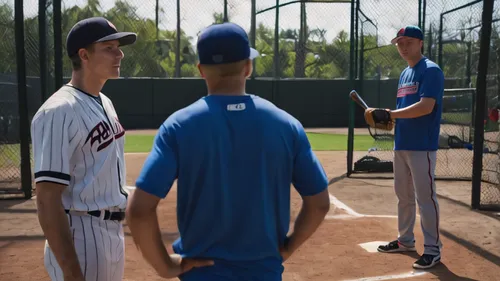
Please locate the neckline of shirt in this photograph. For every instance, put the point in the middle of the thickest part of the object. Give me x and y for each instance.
(97, 98)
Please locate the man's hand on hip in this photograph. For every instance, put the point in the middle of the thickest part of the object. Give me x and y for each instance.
(182, 265)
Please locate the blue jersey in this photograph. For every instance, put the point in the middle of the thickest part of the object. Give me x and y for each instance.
(425, 79)
(234, 158)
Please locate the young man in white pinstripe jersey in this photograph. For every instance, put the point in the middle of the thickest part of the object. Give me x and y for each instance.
(79, 161)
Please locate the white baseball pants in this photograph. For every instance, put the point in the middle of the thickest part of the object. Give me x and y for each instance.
(414, 178)
(99, 245)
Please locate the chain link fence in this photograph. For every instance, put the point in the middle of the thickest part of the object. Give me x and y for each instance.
(312, 38)
(452, 39)
(379, 57)
(378, 68)
(490, 188)
(296, 39)
(455, 154)
(456, 34)
(10, 174)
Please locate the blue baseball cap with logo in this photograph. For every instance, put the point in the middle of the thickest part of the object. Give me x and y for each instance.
(224, 43)
(93, 30)
(408, 31)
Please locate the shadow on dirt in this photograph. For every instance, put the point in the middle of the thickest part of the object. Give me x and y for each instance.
(442, 272)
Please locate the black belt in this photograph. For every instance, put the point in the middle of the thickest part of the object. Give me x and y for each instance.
(114, 216)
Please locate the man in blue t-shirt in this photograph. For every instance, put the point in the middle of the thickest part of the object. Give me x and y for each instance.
(418, 115)
(234, 156)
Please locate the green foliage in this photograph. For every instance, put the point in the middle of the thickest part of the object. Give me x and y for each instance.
(7, 40)
(303, 52)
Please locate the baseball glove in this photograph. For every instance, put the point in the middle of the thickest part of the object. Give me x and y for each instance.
(379, 118)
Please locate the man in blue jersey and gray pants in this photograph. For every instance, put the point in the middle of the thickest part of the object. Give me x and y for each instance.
(418, 115)
(234, 156)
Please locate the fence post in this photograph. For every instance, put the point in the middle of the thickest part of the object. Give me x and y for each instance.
(24, 131)
(58, 64)
(178, 42)
(253, 27)
(157, 18)
(42, 48)
(352, 74)
(277, 42)
(424, 9)
(361, 58)
(440, 43)
(477, 165)
(225, 11)
(429, 44)
(421, 19)
(356, 27)
(420, 14)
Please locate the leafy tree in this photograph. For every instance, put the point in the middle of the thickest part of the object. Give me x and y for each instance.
(7, 40)
(304, 52)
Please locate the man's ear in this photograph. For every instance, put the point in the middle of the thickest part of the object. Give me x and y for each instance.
(200, 70)
(84, 54)
(248, 68)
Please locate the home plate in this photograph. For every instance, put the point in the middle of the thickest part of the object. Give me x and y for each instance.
(371, 247)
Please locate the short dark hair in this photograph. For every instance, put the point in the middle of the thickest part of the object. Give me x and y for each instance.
(76, 62)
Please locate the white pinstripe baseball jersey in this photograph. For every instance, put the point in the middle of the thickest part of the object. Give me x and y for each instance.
(78, 141)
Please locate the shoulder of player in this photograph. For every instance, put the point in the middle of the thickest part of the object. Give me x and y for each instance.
(61, 101)
(404, 71)
(280, 116)
(265, 105)
(430, 65)
(187, 113)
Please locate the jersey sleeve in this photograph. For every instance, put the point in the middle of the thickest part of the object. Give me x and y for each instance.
(309, 177)
(160, 168)
(54, 135)
(433, 83)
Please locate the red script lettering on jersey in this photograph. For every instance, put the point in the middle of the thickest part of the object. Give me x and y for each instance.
(119, 132)
(101, 134)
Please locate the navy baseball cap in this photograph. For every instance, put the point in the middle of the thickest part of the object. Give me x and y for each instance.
(92, 30)
(224, 43)
(409, 31)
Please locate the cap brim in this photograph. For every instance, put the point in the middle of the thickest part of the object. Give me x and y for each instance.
(125, 38)
(253, 53)
(395, 40)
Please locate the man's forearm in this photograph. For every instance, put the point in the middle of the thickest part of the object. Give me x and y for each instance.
(55, 226)
(147, 237)
(413, 111)
(307, 222)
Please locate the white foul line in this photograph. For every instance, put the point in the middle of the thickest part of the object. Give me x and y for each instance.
(339, 204)
(391, 277)
(346, 216)
(350, 212)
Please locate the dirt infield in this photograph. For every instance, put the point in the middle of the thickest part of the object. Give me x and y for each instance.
(362, 211)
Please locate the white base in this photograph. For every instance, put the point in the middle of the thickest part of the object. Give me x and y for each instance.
(371, 247)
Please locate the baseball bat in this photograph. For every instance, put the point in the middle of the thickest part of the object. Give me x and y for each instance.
(357, 98)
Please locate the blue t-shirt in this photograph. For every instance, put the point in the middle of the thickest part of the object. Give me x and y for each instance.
(234, 158)
(425, 79)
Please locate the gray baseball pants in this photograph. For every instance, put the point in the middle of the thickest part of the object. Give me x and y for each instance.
(414, 179)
